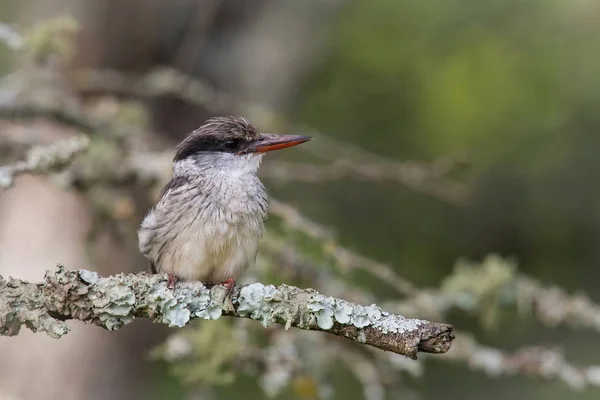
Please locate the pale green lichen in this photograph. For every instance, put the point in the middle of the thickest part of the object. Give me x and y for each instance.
(258, 301)
(177, 316)
(177, 307)
(89, 277)
(113, 301)
(172, 312)
(365, 316)
(55, 329)
(396, 324)
(206, 307)
(343, 312)
(328, 310)
(324, 309)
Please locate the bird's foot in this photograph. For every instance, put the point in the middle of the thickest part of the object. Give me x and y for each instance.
(229, 285)
(171, 281)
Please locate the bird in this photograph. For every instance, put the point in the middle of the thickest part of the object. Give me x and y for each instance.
(209, 217)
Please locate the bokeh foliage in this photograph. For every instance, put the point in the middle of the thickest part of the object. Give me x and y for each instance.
(514, 82)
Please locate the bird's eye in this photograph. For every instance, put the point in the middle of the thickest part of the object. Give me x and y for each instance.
(232, 144)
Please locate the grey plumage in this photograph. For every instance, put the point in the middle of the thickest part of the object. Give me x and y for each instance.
(210, 216)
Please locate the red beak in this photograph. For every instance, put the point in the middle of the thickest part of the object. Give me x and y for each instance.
(269, 142)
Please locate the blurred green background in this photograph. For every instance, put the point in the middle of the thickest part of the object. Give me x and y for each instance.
(515, 82)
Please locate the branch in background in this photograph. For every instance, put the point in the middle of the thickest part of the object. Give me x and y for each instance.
(540, 362)
(409, 173)
(12, 111)
(44, 159)
(345, 259)
(10, 37)
(553, 306)
(160, 82)
(482, 288)
(416, 176)
(421, 177)
(115, 301)
(351, 161)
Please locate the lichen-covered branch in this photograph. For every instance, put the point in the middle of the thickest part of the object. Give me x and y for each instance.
(44, 159)
(114, 301)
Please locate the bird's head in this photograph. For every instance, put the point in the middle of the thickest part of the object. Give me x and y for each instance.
(231, 143)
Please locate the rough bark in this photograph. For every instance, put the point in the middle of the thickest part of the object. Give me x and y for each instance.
(114, 301)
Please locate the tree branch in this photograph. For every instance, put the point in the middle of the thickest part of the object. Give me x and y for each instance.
(117, 300)
(44, 159)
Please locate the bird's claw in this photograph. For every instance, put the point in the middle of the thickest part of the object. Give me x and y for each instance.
(229, 285)
(171, 281)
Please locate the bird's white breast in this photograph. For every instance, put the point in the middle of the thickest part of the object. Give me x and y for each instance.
(208, 227)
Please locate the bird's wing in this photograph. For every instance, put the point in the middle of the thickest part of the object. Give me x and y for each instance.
(175, 185)
(159, 214)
